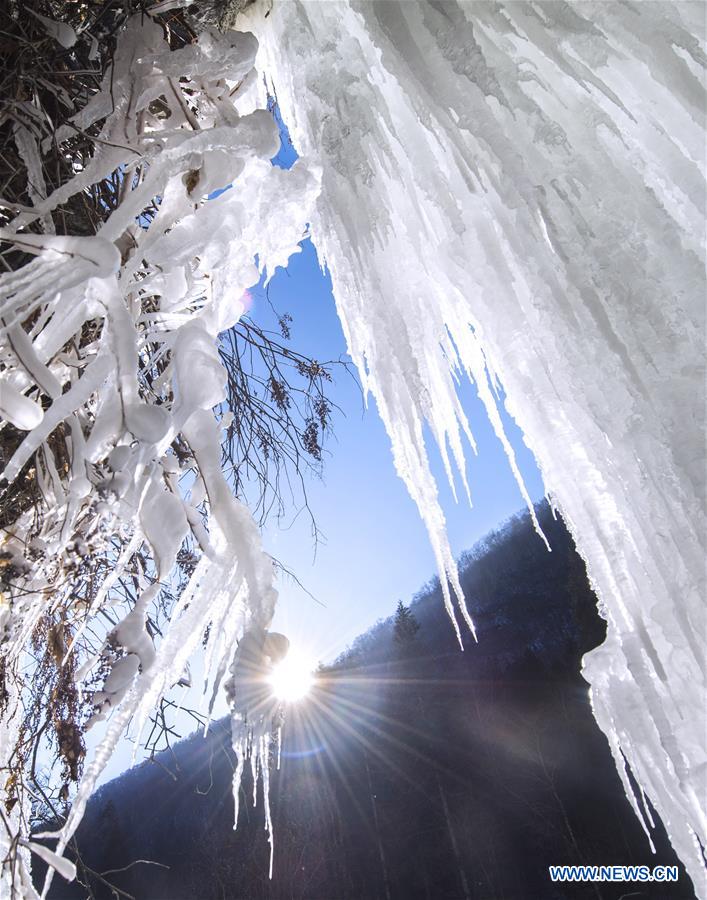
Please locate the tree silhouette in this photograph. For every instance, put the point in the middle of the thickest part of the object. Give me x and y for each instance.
(405, 626)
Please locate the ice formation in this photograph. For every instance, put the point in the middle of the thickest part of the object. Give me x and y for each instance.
(118, 332)
(511, 190)
(516, 190)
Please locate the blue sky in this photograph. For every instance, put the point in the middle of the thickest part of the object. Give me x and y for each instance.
(375, 549)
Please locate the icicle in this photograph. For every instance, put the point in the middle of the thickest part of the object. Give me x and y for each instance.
(264, 752)
(524, 182)
(61, 32)
(101, 312)
(36, 185)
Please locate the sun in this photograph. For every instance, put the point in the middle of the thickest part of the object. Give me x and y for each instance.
(292, 678)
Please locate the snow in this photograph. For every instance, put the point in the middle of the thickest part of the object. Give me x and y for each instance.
(517, 191)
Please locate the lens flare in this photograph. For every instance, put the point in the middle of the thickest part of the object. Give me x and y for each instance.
(292, 679)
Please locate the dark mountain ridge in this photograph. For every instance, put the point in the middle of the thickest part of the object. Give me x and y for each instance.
(412, 771)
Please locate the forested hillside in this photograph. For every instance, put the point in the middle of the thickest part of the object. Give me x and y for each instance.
(412, 771)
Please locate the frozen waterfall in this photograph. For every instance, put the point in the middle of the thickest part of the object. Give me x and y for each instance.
(516, 190)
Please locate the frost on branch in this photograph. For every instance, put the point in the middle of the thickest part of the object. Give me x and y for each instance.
(110, 373)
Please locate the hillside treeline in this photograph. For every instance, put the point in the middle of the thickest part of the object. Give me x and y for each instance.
(412, 771)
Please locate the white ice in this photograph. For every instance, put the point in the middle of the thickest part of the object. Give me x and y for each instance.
(517, 190)
(511, 190)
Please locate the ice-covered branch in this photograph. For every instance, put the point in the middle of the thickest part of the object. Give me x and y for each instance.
(110, 375)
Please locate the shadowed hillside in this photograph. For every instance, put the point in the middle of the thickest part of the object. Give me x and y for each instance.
(412, 771)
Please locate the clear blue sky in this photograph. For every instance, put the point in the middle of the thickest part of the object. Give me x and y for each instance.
(375, 549)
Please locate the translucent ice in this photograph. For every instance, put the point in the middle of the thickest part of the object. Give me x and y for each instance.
(516, 190)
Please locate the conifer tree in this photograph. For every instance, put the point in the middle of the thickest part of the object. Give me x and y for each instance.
(405, 626)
